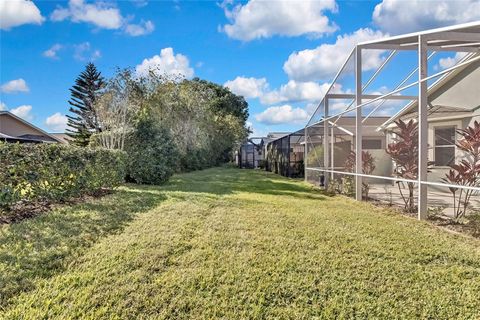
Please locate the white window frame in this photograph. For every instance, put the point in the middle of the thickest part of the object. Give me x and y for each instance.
(444, 146)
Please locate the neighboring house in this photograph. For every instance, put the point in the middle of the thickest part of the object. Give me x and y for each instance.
(342, 137)
(453, 104)
(15, 129)
(251, 153)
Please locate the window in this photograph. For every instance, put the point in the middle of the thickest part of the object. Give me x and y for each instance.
(372, 144)
(444, 146)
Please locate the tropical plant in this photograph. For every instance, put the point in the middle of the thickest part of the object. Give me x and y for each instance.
(404, 153)
(467, 172)
(84, 121)
(368, 166)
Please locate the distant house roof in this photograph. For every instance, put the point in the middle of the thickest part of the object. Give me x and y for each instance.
(31, 134)
(62, 136)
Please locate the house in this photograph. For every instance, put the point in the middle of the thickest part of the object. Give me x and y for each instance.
(441, 100)
(251, 153)
(453, 104)
(253, 150)
(15, 129)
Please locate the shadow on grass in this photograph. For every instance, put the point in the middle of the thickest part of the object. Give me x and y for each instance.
(222, 181)
(43, 246)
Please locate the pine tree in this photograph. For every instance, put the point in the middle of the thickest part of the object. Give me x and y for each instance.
(83, 123)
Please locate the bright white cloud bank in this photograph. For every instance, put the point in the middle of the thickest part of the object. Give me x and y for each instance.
(3, 106)
(57, 122)
(23, 112)
(101, 14)
(247, 87)
(324, 61)
(14, 13)
(166, 63)
(292, 91)
(400, 16)
(14, 86)
(263, 19)
(295, 91)
(282, 114)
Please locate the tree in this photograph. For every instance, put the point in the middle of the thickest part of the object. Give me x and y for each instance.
(84, 121)
(116, 109)
(205, 120)
(151, 153)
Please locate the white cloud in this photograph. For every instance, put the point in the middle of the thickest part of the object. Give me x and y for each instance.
(14, 86)
(166, 63)
(143, 28)
(263, 19)
(100, 14)
(282, 114)
(294, 91)
(104, 15)
(448, 62)
(57, 122)
(14, 13)
(324, 61)
(52, 52)
(23, 112)
(85, 52)
(399, 16)
(3, 106)
(247, 87)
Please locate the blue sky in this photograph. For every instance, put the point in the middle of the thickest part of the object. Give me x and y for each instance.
(279, 55)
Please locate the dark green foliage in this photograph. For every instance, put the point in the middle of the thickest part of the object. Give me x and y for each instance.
(152, 155)
(205, 119)
(53, 172)
(84, 122)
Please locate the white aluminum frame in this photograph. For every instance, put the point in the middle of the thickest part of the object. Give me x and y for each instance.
(459, 38)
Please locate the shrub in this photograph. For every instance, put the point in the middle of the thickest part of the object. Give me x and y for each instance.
(53, 172)
(466, 172)
(151, 153)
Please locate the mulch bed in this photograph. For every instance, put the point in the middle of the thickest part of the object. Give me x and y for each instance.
(25, 209)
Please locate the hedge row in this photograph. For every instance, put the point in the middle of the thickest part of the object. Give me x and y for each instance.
(53, 172)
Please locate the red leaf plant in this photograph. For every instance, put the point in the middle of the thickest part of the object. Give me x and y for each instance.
(404, 153)
(466, 172)
(368, 165)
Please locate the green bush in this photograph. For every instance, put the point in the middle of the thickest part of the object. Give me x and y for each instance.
(151, 153)
(53, 172)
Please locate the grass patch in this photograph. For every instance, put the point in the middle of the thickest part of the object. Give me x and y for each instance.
(229, 243)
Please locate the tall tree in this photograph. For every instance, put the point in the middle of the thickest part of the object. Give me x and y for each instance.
(84, 121)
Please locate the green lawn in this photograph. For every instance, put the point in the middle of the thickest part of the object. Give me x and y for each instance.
(229, 243)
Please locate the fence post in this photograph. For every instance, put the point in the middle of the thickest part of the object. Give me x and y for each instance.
(325, 143)
(358, 123)
(422, 127)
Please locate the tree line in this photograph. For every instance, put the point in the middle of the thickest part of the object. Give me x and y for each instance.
(164, 123)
